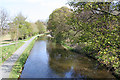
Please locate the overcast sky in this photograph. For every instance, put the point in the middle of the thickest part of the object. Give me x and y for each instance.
(32, 9)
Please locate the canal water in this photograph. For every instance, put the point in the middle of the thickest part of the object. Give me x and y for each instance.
(50, 60)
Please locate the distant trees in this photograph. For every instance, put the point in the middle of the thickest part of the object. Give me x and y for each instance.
(57, 23)
(34, 29)
(41, 27)
(21, 29)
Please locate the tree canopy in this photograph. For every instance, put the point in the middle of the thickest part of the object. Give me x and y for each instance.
(57, 23)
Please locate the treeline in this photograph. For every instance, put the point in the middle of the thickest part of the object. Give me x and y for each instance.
(18, 27)
(92, 28)
(21, 29)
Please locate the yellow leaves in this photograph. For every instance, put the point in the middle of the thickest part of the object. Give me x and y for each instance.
(105, 52)
(109, 42)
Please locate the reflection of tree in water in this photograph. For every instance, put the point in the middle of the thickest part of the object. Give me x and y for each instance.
(62, 60)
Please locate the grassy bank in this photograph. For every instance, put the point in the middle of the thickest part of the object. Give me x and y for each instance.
(7, 51)
(17, 68)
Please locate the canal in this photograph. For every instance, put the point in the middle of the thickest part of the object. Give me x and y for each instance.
(50, 60)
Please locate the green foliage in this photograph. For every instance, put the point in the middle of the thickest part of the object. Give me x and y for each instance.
(66, 46)
(17, 68)
(41, 27)
(57, 23)
(21, 29)
(100, 27)
(13, 32)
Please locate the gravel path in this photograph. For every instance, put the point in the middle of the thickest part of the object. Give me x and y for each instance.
(6, 67)
(7, 44)
(10, 44)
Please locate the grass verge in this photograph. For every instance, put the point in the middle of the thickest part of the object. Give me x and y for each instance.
(17, 68)
(7, 51)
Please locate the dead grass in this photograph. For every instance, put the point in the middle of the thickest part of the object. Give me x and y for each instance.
(5, 39)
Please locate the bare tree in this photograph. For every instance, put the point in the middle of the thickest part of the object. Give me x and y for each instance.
(3, 20)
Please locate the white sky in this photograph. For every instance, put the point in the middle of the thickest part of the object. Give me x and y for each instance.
(32, 9)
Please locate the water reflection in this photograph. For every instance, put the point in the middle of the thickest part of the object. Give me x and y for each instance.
(51, 60)
(69, 73)
(37, 65)
(69, 64)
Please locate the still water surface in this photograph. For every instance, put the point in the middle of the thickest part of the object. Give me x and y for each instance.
(50, 60)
